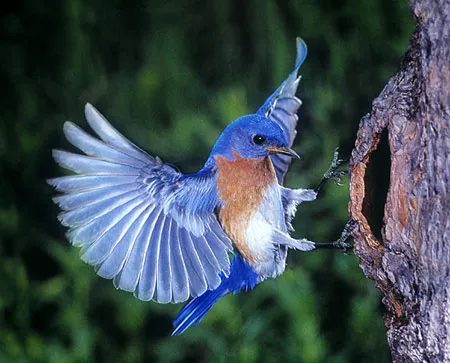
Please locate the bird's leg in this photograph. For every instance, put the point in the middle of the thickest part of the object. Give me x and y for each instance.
(281, 238)
(332, 172)
(298, 195)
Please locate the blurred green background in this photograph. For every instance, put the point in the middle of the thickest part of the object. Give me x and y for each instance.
(170, 76)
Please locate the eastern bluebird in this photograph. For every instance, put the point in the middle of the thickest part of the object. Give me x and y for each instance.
(168, 236)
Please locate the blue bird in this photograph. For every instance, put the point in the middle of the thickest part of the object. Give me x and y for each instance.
(168, 236)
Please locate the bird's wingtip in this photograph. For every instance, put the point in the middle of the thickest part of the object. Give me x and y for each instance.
(68, 128)
(89, 109)
(51, 182)
(302, 51)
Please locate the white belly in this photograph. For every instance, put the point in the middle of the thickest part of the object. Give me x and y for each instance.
(270, 260)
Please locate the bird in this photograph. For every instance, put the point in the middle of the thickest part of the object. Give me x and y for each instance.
(168, 236)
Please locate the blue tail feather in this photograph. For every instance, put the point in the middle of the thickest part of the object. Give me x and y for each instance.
(242, 277)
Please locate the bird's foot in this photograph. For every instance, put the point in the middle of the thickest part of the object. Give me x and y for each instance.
(332, 173)
(341, 243)
(346, 233)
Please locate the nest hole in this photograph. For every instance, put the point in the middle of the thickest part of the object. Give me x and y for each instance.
(376, 181)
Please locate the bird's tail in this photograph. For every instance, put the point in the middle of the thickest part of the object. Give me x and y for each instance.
(241, 277)
(196, 309)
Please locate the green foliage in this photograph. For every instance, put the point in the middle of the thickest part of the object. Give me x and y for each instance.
(170, 76)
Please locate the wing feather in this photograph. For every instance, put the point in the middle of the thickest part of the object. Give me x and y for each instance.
(181, 290)
(81, 183)
(114, 261)
(99, 250)
(282, 107)
(96, 148)
(197, 282)
(147, 283)
(129, 276)
(99, 213)
(164, 284)
(89, 197)
(211, 265)
(88, 165)
(216, 240)
(140, 222)
(111, 136)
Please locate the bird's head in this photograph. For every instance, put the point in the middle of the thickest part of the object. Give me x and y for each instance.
(251, 136)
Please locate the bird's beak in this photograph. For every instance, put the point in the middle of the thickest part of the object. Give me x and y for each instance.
(283, 150)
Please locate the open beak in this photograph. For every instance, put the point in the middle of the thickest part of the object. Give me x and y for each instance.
(283, 150)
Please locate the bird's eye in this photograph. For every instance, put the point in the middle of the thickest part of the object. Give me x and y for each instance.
(259, 139)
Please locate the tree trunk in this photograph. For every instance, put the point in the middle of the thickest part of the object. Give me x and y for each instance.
(407, 251)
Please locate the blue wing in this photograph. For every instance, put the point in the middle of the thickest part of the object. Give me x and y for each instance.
(139, 221)
(282, 107)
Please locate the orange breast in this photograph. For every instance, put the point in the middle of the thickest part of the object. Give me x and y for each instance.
(241, 185)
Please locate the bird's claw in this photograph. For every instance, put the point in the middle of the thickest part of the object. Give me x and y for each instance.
(336, 176)
(332, 172)
(344, 246)
(346, 233)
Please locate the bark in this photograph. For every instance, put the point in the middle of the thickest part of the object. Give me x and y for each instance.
(409, 256)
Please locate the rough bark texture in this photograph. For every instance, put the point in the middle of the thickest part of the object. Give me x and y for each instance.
(410, 259)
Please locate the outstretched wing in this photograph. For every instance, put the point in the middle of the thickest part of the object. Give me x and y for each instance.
(139, 221)
(282, 107)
